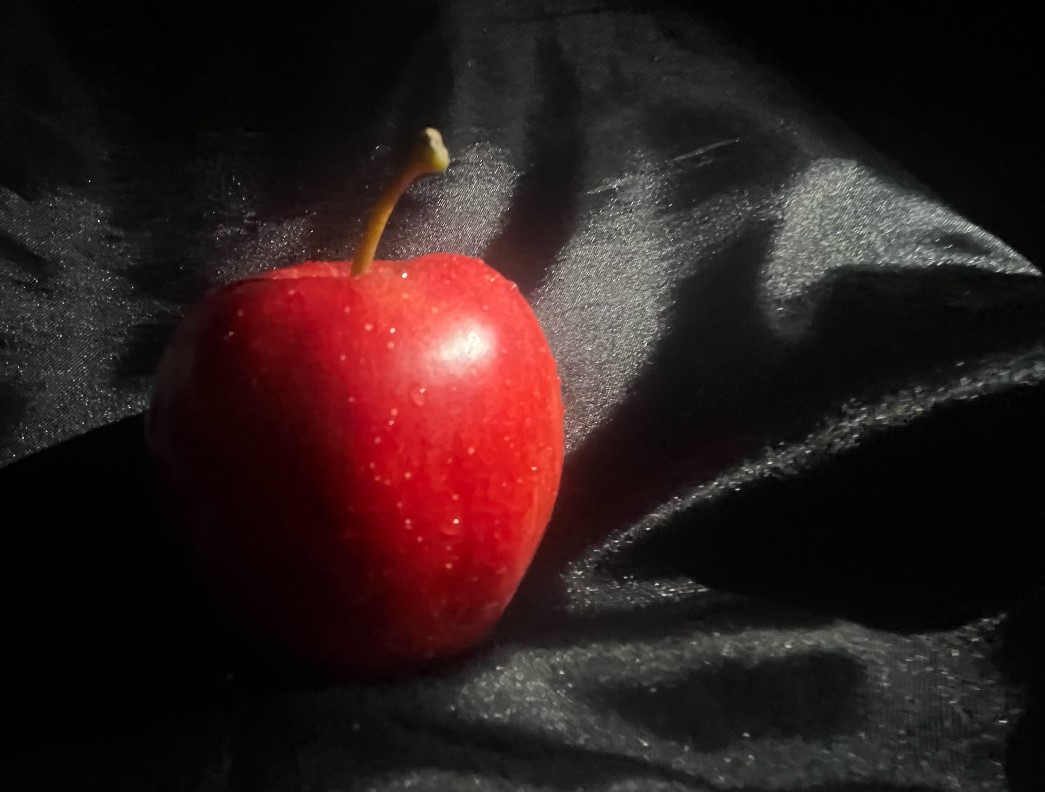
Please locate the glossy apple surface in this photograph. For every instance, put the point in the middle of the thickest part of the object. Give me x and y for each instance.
(365, 464)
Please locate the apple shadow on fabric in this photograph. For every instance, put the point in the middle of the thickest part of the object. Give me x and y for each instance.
(889, 533)
(104, 617)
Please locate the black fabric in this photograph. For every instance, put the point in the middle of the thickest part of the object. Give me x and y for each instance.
(794, 547)
(947, 95)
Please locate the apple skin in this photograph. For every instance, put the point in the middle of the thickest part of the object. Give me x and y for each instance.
(364, 465)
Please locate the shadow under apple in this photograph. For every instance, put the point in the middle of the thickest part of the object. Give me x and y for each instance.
(923, 527)
(920, 526)
(105, 623)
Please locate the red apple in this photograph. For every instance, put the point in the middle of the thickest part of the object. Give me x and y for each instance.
(365, 463)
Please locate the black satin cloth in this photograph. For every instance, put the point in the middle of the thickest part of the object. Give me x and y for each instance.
(795, 544)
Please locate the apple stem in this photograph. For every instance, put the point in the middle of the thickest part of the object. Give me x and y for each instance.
(428, 155)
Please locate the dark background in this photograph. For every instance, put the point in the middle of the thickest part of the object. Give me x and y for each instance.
(949, 95)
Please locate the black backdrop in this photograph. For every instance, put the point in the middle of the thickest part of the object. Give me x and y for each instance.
(795, 543)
